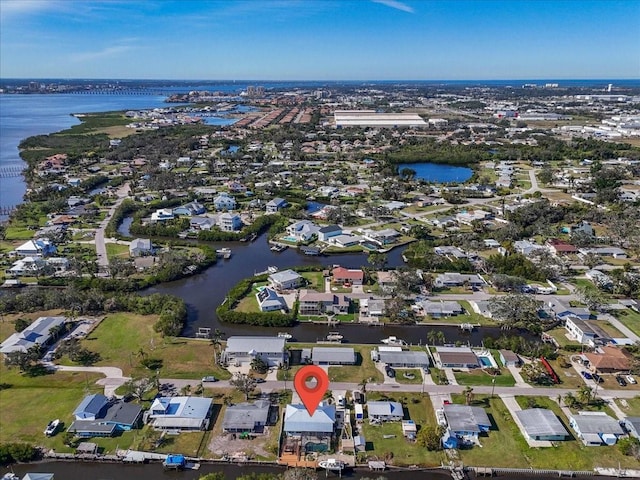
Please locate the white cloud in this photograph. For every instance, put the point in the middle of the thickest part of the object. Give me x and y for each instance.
(98, 54)
(395, 4)
(14, 8)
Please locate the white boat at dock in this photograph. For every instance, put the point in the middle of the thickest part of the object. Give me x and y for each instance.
(393, 341)
(224, 253)
(279, 247)
(335, 337)
(285, 335)
(332, 464)
(52, 427)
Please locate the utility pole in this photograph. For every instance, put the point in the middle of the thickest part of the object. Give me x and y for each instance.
(493, 385)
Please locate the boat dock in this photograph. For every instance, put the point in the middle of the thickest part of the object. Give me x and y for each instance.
(224, 253)
(468, 327)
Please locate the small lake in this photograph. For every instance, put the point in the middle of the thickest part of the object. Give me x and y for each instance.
(438, 173)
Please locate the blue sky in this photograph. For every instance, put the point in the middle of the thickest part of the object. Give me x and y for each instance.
(320, 39)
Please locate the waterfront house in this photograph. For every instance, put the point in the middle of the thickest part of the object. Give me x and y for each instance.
(381, 411)
(243, 349)
(466, 422)
(303, 230)
(586, 332)
(450, 252)
(91, 407)
(162, 215)
(270, 301)
(27, 266)
(118, 417)
(561, 311)
(205, 223)
(330, 231)
(441, 308)
(333, 356)
(38, 333)
(317, 303)
(345, 240)
(303, 429)
(140, 247)
(386, 281)
(342, 276)
(596, 428)
(509, 358)
(373, 308)
(40, 247)
(541, 424)
(229, 222)
(456, 357)
(632, 425)
(275, 205)
(403, 358)
(190, 209)
(247, 417)
(224, 201)
(285, 280)
(180, 413)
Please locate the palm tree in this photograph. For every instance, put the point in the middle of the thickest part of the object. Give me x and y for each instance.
(216, 341)
(570, 400)
(584, 394)
(468, 395)
(363, 385)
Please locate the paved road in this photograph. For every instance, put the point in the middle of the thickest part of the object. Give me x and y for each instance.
(101, 248)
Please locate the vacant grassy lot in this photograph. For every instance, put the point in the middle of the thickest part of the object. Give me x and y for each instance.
(117, 250)
(630, 319)
(630, 406)
(505, 446)
(315, 279)
(417, 408)
(365, 368)
(124, 339)
(480, 377)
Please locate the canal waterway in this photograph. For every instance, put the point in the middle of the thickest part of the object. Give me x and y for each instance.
(438, 173)
(204, 292)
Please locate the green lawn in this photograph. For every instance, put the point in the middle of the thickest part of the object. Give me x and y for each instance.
(315, 279)
(418, 408)
(120, 337)
(629, 319)
(417, 375)
(117, 250)
(364, 369)
(560, 335)
(18, 233)
(506, 447)
(480, 377)
(632, 407)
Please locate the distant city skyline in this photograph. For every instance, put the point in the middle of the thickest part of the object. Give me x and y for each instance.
(320, 39)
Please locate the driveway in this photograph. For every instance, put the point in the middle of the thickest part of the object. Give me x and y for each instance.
(114, 377)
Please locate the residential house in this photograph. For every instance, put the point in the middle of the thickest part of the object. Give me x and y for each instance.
(402, 358)
(586, 332)
(303, 230)
(526, 248)
(468, 217)
(304, 429)
(491, 243)
(608, 359)
(560, 247)
(162, 215)
(270, 301)
(180, 413)
(456, 357)
(345, 276)
(385, 411)
(203, 223)
(632, 425)
(140, 247)
(229, 222)
(333, 356)
(455, 279)
(316, 303)
(118, 417)
(330, 231)
(583, 227)
(285, 280)
(443, 222)
(465, 422)
(224, 201)
(345, 240)
(561, 311)
(275, 205)
(383, 237)
(40, 247)
(509, 358)
(596, 428)
(373, 308)
(441, 308)
(27, 266)
(614, 252)
(243, 349)
(247, 417)
(450, 252)
(40, 332)
(481, 307)
(541, 424)
(386, 281)
(190, 209)
(91, 407)
(599, 278)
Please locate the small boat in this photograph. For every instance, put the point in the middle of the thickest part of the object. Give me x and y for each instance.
(285, 335)
(52, 427)
(174, 462)
(272, 269)
(224, 253)
(335, 337)
(393, 341)
(10, 476)
(279, 248)
(332, 464)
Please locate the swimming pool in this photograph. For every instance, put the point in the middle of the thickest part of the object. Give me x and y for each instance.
(289, 238)
(485, 362)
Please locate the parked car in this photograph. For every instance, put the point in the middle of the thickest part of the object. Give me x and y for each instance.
(209, 378)
(390, 372)
(260, 380)
(631, 380)
(621, 381)
(587, 375)
(597, 378)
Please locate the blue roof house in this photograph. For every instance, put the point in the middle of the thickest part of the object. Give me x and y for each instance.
(92, 407)
(321, 425)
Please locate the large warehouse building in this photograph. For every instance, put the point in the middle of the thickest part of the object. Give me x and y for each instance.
(370, 118)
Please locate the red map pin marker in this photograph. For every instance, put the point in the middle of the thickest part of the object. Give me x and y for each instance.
(311, 396)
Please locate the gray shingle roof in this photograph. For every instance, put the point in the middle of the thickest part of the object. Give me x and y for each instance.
(245, 416)
(242, 344)
(333, 354)
(393, 409)
(462, 418)
(404, 358)
(540, 422)
(597, 424)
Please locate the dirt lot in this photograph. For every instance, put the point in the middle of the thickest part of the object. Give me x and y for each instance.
(235, 447)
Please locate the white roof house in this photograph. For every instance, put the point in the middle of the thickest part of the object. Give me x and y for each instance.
(541, 424)
(243, 349)
(270, 301)
(403, 358)
(385, 411)
(285, 280)
(298, 421)
(596, 428)
(333, 356)
(38, 333)
(180, 413)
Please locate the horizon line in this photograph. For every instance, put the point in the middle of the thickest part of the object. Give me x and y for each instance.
(324, 80)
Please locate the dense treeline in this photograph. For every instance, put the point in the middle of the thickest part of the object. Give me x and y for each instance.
(515, 265)
(172, 310)
(17, 452)
(429, 150)
(260, 225)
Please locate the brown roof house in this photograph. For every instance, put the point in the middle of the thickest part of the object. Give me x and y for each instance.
(343, 275)
(611, 360)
